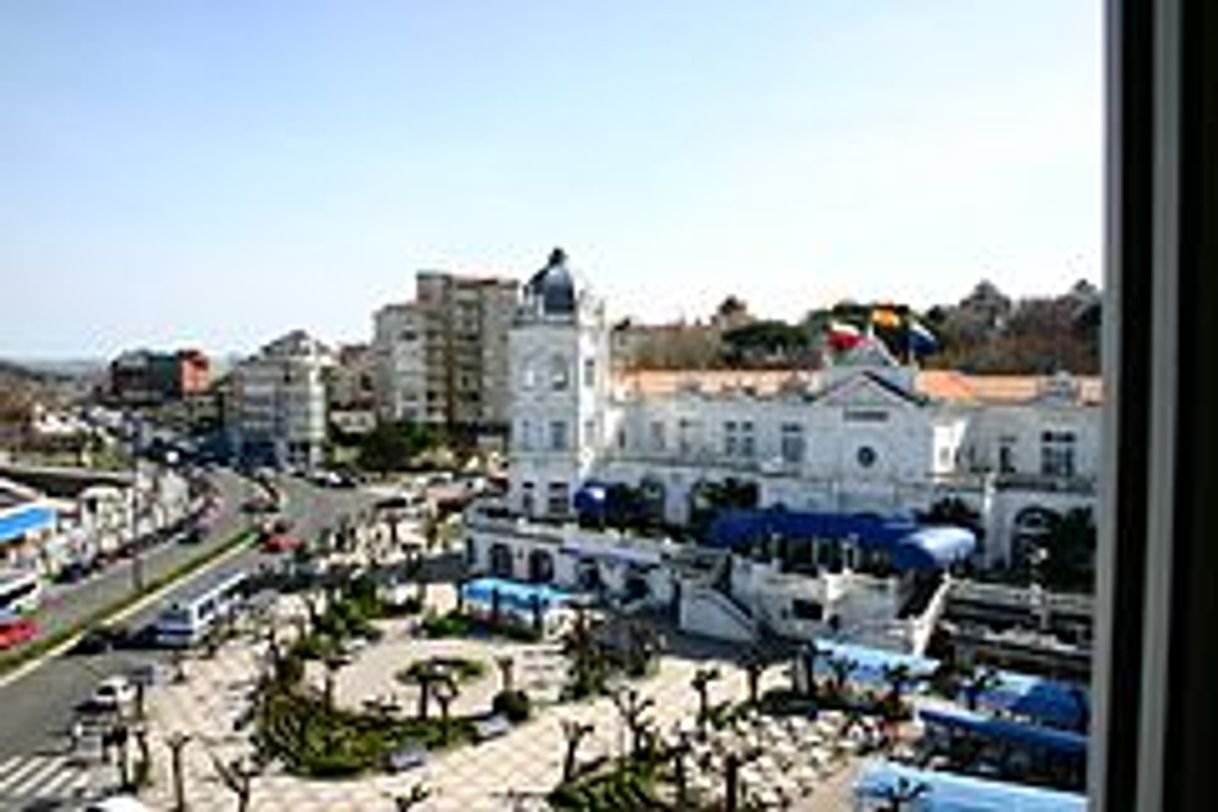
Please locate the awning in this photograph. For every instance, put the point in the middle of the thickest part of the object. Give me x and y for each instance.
(871, 663)
(26, 519)
(949, 792)
(911, 546)
(1059, 742)
(1063, 704)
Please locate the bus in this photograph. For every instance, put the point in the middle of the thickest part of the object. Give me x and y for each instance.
(20, 591)
(186, 621)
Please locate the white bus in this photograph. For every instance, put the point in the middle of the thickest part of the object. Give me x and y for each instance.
(186, 621)
(20, 591)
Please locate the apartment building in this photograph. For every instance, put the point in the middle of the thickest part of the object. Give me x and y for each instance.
(442, 358)
(277, 402)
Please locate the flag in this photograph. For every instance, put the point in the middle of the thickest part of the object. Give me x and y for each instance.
(921, 339)
(843, 335)
(885, 317)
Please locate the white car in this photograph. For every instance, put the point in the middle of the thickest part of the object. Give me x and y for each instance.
(117, 803)
(113, 694)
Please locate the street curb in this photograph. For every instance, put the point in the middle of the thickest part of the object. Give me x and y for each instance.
(230, 549)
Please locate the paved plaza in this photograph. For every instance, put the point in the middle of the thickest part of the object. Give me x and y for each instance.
(511, 772)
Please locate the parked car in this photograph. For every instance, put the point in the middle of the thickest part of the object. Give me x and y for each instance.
(15, 630)
(100, 639)
(117, 803)
(113, 694)
(407, 757)
(281, 543)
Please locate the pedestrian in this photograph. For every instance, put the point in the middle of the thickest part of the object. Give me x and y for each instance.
(76, 733)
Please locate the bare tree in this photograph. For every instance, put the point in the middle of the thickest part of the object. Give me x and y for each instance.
(701, 681)
(238, 777)
(754, 666)
(574, 732)
(445, 691)
(633, 709)
(506, 665)
(177, 743)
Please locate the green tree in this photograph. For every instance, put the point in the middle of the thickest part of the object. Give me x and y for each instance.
(393, 446)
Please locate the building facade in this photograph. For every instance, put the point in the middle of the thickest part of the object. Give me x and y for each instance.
(442, 358)
(276, 409)
(148, 378)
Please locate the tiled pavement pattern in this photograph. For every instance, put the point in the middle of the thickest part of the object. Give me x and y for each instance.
(506, 773)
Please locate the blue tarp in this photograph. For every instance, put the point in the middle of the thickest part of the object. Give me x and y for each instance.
(912, 546)
(513, 594)
(1056, 703)
(871, 662)
(22, 520)
(1058, 742)
(948, 792)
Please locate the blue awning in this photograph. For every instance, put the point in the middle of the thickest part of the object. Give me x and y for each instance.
(871, 663)
(513, 594)
(1059, 742)
(26, 519)
(949, 792)
(1062, 704)
(911, 546)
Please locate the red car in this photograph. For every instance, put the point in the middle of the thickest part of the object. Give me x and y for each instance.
(280, 543)
(16, 630)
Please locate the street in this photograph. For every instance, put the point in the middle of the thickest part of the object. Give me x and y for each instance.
(38, 707)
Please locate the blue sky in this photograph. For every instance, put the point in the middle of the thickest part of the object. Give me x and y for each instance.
(218, 172)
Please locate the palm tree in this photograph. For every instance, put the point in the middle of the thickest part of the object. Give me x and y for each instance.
(902, 793)
(177, 742)
(701, 681)
(506, 664)
(633, 708)
(841, 668)
(574, 732)
(754, 666)
(426, 675)
(445, 691)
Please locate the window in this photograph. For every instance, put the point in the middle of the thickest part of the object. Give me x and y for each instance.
(657, 435)
(1006, 455)
(560, 376)
(528, 503)
(748, 443)
(590, 431)
(1057, 453)
(729, 438)
(589, 372)
(791, 445)
(684, 432)
(866, 456)
(806, 610)
(523, 440)
(558, 435)
(527, 376)
(866, 416)
(556, 499)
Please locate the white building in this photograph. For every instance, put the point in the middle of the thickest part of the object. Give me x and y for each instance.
(865, 436)
(278, 401)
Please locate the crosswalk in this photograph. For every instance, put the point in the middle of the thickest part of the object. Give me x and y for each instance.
(29, 778)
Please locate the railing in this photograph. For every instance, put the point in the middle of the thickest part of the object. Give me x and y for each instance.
(1022, 598)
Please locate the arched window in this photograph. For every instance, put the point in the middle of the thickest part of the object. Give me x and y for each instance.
(501, 560)
(541, 567)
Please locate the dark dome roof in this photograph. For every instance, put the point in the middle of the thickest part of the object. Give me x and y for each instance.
(553, 286)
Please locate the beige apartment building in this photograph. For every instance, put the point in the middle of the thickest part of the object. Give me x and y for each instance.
(442, 358)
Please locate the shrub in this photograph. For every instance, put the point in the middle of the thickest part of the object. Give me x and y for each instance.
(450, 625)
(336, 764)
(515, 705)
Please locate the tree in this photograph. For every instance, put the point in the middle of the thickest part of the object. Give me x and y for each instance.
(445, 692)
(427, 675)
(574, 732)
(633, 709)
(177, 743)
(840, 670)
(418, 794)
(701, 682)
(903, 793)
(898, 678)
(392, 446)
(754, 665)
(238, 777)
(1069, 546)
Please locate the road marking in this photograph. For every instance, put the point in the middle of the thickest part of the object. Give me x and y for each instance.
(32, 777)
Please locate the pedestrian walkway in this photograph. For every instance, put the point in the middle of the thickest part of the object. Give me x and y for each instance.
(30, 779)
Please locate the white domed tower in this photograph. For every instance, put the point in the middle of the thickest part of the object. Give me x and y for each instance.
(558, 360)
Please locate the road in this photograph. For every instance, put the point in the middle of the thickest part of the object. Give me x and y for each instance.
(36, 710)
